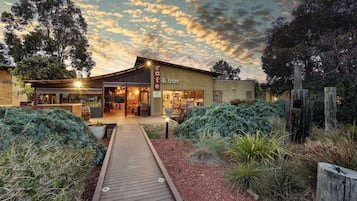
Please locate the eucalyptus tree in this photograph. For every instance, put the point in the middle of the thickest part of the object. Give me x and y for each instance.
(322, 35)
(5, 60)
(54, 30)
(228, 72)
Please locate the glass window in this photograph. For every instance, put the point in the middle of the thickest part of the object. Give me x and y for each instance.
(180, 100)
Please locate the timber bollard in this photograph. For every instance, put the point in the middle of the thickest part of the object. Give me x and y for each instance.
(335, 183)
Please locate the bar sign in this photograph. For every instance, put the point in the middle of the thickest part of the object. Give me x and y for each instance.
(157, 77)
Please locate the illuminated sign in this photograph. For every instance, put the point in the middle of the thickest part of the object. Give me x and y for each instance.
(157, 77)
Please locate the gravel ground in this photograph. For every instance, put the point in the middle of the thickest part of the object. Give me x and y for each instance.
(195, 181)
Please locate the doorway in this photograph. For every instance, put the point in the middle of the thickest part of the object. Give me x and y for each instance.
(129, 101)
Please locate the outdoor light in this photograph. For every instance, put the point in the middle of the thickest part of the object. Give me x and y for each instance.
(148, 63)
(78, 84)
(168, 112)
(167, 119)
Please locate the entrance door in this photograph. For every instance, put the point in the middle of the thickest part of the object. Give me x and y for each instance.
(114, 104)
(124, 100)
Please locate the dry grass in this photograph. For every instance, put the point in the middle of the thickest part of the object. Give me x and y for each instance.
(204, 156)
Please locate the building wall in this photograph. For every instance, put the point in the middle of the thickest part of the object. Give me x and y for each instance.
(233, 89)
(186, 80)
(9, 93)
(6, 88)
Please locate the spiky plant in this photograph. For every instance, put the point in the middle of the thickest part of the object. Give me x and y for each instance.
(244, 176)
(259, 148)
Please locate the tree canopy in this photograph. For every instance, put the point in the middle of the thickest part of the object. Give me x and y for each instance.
(5, 60)
(53, 30)
(228, 72)
(322, 36)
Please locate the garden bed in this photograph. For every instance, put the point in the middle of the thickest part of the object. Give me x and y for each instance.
(195, 181)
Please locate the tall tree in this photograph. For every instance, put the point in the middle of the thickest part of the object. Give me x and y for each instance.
(322, 36)
(228, 72)
(52, 29)
(5, 60)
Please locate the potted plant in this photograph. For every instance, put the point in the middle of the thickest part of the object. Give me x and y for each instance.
(98, 129)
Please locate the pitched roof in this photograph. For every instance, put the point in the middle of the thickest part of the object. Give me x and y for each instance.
(139, 64)
(140, 61)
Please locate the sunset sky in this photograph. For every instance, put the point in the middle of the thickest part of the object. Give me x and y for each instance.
(194, 33)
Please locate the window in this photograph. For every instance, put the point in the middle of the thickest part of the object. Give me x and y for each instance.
(180, 100)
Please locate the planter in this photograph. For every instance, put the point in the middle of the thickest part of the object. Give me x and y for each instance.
(98, 131)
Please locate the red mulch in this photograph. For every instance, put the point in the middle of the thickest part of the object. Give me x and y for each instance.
(92, 179)
(91, 183)
(195, 181)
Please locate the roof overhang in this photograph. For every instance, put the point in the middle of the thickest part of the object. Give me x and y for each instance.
(69, 90)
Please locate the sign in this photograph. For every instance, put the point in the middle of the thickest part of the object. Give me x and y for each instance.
(168, 80)
(156, 94)
(157, 77)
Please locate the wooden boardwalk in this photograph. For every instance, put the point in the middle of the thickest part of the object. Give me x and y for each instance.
(130, 170)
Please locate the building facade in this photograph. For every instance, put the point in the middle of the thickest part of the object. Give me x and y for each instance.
(10, 93)
(148, 88)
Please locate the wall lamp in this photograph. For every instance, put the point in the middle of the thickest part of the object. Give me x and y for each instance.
(78, 84)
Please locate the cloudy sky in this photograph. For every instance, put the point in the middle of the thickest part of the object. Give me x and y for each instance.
(195, 33)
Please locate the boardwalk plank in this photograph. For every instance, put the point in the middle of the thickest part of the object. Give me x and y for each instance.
(132, 172)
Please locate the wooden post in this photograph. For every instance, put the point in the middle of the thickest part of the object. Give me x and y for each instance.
(297, 77)
(299, 113)
(330, 109)
(335, 183)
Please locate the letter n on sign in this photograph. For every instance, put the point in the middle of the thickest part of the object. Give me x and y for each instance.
(157, 77)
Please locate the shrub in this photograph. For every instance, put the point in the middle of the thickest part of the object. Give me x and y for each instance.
(46, 172)
(237, 102)
(153, 135)
(212, 142)
(244, 176)
(257, 148)
(19, 125)
(348, 132)
(229, 120)
(276, 184)
(344, 154)
(208, 149)
(205, 156)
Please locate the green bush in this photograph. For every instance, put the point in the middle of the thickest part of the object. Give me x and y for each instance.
(153, 135)
(229, 120)
(245, 176)
(46, 172)
(257, 148)
(278, 124)
(19, 125)
(237, 102)
(214, 143)
(209, 149)
(277, 184)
